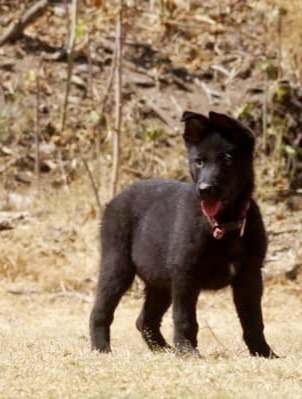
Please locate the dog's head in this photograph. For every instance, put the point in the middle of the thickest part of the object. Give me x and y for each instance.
(220, 153)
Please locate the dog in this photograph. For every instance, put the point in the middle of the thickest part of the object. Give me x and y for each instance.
(182, 238)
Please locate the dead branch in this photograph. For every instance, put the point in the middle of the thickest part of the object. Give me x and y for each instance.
(72, 295)
(90, 71)
(37, 131)
(109, 83)
(70, 50)
(102, 113)
(92, 181)
(264, 113)
(118, 102)
(151, 103)
(10, 163)
(15, 30)
(61, 294)
(63, 171)
(136, 172)
(280, 40)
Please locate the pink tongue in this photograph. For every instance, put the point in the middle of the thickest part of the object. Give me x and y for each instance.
(210, 207)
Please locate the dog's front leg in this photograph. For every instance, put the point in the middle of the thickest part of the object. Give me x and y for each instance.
(247, 293)
(184, 298)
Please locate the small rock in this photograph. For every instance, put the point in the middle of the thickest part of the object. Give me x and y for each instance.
(293, 273)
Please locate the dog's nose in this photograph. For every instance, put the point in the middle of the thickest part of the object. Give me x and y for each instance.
(206, 189)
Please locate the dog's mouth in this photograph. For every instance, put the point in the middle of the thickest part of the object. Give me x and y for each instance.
(210, 207)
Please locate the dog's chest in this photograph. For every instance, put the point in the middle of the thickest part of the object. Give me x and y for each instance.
(219, 263)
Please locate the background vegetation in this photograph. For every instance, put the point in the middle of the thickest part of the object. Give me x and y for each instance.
(80, 78)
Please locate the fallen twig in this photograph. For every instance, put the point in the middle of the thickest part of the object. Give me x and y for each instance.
(211, 94)
(64, 294)
(135, 172)
(177, 105)
(284, 231)
(214, 335)
(8, 220)
(10, 163)
(15, 30)
(150, 103)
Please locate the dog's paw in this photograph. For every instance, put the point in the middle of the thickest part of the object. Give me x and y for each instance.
(188, 353)
(273, 355)
(105, 348)
(268, 354)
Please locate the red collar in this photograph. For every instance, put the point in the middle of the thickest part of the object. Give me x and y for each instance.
(219, 230)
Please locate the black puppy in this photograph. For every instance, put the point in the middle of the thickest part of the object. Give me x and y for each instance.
(181, 238)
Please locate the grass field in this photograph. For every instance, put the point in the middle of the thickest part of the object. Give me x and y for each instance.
(48, 270)
(45, 352)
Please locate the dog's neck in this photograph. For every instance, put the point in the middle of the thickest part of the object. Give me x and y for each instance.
(236, 209)
(233, 216)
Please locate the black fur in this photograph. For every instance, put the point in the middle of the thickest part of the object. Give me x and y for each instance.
(155, 229)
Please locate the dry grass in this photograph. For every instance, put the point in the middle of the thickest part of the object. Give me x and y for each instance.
(45, 353)
(44, 340)
(56, 248)
(293, 36)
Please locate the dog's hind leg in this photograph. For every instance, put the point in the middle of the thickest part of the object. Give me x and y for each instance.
(116, 276)
(157, 301)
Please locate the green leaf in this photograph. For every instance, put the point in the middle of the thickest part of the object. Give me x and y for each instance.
(290, 150)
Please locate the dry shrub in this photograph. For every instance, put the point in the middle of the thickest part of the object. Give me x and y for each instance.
(291, 40)
(292, 35)
(57, 247)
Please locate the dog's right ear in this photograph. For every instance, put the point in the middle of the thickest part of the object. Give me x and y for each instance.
(195, 126)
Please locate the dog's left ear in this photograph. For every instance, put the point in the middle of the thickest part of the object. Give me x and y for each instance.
(233, 130)
(196, 126)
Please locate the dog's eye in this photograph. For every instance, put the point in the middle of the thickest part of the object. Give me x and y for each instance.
(199, 162)
(228, 159)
